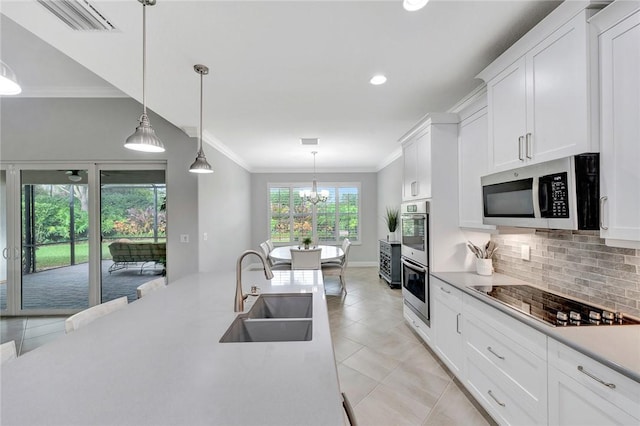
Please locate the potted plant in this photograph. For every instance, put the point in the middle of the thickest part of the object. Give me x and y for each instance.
(306, 241)
(391, 219)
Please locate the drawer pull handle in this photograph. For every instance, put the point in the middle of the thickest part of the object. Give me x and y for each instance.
(520, 140)
(502, 404)
(445, 290)
(491, 350)
(529, 143)
(415, 324)
(458, 324)
(602, 200)
(597, 379)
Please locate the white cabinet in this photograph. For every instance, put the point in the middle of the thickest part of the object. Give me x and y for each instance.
(416, 154)
(447, 324)
(505, 365)
(620, 127)
(585, 392)
(430, 136)
(472, 163)
(540, 106)
(419, 327)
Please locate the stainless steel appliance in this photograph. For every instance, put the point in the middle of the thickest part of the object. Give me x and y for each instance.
(558, 194)
(414, 250)
(551, 308)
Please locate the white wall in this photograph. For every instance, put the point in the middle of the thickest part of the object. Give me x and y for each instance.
(363, 253)
(66, 129)
(224, 206)
(389, 194)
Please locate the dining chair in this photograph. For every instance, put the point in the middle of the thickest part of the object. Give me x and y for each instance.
(305, 258)
(339, 268)
(279, 265)
(270, 245)
(82, 318)
(150, 286)
(8, 351)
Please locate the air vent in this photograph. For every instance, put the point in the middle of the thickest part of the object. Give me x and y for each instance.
(80, 15)
(309, 141)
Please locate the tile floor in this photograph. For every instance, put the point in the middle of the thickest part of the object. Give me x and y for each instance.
(389, 376)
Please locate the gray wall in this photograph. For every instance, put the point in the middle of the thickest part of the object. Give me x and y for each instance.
(389, 194)
(224, 206)
(363, 254)
(65, 129)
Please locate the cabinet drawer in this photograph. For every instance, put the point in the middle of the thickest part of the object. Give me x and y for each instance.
(423, 330)
(526, 336)
(506, 405)
(519, 365)
(607, 383)
(446, 293)
(385, 248)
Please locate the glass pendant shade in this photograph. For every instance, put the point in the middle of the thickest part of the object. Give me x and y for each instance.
(8, 81)
(313, 196)
(201, 165)
(413, 5)
(144, 138)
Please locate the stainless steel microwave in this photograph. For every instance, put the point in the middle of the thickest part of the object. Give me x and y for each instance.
(558, 194)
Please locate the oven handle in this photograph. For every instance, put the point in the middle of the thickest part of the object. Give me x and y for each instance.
(413, 266)
(414, 216)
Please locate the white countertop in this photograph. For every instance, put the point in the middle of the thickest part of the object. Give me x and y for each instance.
(158, 362)
(618, 347)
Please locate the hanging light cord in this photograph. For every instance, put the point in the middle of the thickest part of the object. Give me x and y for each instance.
(144, 56)
(201, 83)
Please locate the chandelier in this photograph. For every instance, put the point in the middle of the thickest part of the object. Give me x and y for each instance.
(314, 197)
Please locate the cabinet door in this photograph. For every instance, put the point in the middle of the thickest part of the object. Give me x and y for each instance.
(472, 164)
(557, 88)
(409, 171)
(447, 321)
(507, 117)
(571, 403)
(423, 165)
(620, 121)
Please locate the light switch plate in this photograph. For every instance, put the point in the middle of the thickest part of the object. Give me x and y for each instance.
(525, 252)
(184, 238)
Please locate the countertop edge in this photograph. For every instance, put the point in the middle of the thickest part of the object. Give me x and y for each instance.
(449, 278)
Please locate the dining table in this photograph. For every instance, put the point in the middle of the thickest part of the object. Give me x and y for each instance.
(327, 253)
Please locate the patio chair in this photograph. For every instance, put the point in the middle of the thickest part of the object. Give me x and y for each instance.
(305, 259)
(83, 318)
(338, 268)
(8, 351)
(150, 286)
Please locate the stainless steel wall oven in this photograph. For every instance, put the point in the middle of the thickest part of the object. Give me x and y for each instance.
(414, 218)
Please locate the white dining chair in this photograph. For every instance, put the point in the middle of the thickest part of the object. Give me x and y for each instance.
(270, 245)
(83, 318)
(150, 286)
(339, 268)
(305, 258)
(8, 351)
(279, 265)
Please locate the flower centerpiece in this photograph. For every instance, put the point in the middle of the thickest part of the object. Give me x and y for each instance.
(306, 241)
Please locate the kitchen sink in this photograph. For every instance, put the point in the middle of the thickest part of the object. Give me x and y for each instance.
(244, 329)
(297, 305)
(274, 318)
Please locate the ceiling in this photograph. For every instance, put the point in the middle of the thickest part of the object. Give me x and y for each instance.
(280, 70)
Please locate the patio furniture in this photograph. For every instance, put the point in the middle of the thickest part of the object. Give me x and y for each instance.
(150, 286)
(83, 318)
(125, 253)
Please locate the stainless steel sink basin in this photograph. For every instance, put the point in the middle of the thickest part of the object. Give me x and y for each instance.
(245, 329)
(274, 317)
(292, 305)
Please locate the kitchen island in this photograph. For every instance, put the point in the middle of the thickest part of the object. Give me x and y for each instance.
(159, 362)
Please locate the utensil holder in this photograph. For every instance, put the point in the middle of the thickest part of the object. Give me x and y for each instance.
(484, 266)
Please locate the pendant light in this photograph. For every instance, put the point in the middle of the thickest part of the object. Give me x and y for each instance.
(201, 165)
(144, 138)
(413, 5)
(8, 81)
(313, 196)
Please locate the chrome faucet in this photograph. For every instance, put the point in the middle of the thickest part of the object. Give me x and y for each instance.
(238, 306)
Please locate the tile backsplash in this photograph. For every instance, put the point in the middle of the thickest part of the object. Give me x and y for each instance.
(574, 263)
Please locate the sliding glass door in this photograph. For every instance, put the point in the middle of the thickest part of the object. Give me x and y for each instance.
(52, 220)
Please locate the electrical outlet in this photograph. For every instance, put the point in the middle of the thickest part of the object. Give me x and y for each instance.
(184, 238)
(525, 252)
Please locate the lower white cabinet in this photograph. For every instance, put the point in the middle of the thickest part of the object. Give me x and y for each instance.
(584, 392)
(423, 330)
(447, 324)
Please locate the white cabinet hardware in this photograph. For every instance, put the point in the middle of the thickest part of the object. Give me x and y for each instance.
(502, 404)
(597, 379)
(494, 353)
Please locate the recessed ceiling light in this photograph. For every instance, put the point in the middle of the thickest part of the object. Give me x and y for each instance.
(413, 5)
(377, 80)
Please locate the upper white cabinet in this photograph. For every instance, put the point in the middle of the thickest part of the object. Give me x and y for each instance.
(418, 146)
(620, 123)
(540, 93)
(472, 163)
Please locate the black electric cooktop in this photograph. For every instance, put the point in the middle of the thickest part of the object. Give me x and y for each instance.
(551, 308)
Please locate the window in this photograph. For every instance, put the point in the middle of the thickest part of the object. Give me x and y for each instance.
(291, 219)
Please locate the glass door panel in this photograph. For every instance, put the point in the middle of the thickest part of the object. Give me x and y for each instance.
(133, 229)
(54, 236)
